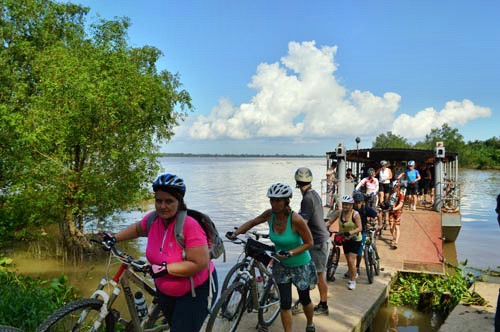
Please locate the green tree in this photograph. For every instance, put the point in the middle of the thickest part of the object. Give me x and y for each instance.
(83, 117)
(451, 138)
(390, 140)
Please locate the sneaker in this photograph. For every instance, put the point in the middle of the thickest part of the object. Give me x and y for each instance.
(351, 285)
(297, 309)
(310, 328)
(320, 310)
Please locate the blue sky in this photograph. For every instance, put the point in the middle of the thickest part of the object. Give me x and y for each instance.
(297, 77)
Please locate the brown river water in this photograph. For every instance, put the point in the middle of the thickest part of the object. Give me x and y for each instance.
(233, 190)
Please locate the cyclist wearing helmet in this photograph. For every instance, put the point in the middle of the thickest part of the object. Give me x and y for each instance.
(292, 239)
(311, 210)
(413, 177)
(372, 186)
(396, 203)
(350, 226)
(384, 179)
(184, 312)
(365, 212)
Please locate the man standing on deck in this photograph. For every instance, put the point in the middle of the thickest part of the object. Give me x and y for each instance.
(311, 209)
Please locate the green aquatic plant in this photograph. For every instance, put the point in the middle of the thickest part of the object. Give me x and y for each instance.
(25, 302)
(446, 290)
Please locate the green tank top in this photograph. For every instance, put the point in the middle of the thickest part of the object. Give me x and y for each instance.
(288, 240)
(348, 226)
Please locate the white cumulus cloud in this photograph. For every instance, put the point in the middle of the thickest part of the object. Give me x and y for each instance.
(454, 113)
(299, 96)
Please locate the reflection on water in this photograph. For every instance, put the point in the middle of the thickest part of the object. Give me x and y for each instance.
(401, 319)
(233, 190)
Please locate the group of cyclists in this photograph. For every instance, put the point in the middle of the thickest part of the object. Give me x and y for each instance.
(302, 242)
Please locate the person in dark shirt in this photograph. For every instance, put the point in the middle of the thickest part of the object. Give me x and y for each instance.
(365, 212)
(311, 209)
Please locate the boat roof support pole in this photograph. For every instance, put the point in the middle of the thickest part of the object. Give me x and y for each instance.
(341, 163)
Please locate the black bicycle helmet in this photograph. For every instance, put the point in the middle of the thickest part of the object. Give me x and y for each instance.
(358, 197)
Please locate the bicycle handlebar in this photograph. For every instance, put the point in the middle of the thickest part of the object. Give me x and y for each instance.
(137, 264)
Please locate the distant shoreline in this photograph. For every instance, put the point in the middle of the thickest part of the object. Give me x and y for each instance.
(238, 155)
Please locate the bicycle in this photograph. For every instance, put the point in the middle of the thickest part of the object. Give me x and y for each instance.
(241, 290)
(370, 253)
(97, 312)
(332, 262)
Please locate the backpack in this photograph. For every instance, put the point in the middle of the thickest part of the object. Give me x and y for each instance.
(215, 242)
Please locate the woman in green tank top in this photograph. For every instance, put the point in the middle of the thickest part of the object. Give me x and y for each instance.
(292, 239)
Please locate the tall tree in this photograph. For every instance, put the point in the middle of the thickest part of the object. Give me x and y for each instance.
(451, 138)
(85, 116)
(390, 140)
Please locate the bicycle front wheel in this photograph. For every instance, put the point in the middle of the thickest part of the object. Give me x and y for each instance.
(77, 316)
(232, 275)
(332, 263)
(228, 310)
(269, 307)
(369, 267)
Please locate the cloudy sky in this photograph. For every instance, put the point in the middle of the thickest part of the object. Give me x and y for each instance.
(299, 76)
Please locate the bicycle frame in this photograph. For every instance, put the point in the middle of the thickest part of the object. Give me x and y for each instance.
(119, 282)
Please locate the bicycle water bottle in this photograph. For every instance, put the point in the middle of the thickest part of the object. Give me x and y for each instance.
(140, 304)
(260, 285)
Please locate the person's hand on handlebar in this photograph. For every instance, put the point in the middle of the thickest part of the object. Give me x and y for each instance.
(108, 239)
(231, 235)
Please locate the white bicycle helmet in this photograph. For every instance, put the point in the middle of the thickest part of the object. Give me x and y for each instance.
(383, 163)
(347, 199)
(279, 190)
(371, 171)
(411, 163)
(303, 174)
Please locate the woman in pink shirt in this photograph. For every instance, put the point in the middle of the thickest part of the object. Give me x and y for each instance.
(184, 312)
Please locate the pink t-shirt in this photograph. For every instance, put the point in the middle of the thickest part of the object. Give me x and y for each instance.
(159, 250)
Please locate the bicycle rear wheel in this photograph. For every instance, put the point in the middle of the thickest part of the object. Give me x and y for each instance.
(77, 316)
(375, 259)
(228, 310)
(332, 263)
(369, 267)
(155, 320)
(269, 307)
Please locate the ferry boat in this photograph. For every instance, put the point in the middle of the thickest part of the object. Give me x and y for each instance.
(445, 177)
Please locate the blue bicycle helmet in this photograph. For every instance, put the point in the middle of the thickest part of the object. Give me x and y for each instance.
(172, 181)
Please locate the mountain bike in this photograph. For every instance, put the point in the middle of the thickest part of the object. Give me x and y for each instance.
(370, 253)
(248, 286)
(97, 312)
(332, 262)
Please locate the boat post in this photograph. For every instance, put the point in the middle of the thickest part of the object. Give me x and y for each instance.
(439, 153)
(341, 154)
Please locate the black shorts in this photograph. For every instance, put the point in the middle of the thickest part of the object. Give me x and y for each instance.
(412, 189)
(351, 247)
(384, 188)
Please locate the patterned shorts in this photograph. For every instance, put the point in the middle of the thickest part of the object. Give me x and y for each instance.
(303, 277)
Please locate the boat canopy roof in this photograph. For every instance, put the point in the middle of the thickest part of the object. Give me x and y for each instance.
(403, 155)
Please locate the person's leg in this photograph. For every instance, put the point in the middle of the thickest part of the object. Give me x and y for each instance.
(305, 300)
(286, 305)
(190, 312)
(497, 314)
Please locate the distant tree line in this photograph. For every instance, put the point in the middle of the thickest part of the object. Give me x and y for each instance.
(474, 154)
(242, 155)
